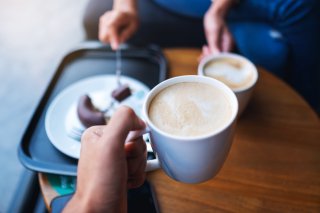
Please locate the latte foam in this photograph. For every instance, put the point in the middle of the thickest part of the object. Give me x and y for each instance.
(234, 73)
(190, 109)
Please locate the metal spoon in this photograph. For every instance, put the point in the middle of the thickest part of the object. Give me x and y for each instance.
(118, 65)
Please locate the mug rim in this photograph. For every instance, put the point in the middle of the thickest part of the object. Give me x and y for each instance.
(198, 79)
(209, 58)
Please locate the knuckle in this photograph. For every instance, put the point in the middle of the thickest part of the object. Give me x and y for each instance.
(136, 181)
(135, 24)
(103, 38)
(88, 134)
(101, 19)
(126, 111)
(85, 137)
(213, 29)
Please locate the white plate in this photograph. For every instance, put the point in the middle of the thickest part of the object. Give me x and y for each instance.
(61, 115)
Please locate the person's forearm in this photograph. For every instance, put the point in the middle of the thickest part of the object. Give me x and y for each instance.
(221, 7)
(127, 5)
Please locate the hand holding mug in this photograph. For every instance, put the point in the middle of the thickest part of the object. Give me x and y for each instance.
(191, 122)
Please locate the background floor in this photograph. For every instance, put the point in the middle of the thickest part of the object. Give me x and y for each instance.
(34, 36)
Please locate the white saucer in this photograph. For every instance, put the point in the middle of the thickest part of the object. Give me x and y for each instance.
(61, 114)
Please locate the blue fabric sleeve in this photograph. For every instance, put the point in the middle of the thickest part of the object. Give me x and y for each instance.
(192, 8)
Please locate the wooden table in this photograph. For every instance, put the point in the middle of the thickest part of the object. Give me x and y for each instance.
(274, 162)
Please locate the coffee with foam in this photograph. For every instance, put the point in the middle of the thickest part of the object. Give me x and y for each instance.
(190, 109)
(235, 73)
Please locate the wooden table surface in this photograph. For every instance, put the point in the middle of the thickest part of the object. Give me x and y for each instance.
(274, 162)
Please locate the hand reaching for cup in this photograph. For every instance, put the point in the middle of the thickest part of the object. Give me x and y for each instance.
(116, 26)
(108, 166)
(218, 36)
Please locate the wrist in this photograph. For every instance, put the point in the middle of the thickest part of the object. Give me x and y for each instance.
(88, 202)
(221, 7)
(125, 5)
(77, 204)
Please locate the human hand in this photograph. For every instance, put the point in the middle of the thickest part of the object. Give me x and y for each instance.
(218, 37)
(116, 26)
(108, 166)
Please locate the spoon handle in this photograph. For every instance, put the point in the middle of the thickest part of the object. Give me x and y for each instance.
(118, 66)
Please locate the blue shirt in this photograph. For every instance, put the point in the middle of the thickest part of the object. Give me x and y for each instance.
(193, 8)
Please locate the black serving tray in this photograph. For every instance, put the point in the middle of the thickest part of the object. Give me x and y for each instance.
(146, 64)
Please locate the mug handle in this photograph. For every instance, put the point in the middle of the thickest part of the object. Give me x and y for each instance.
(151, 164)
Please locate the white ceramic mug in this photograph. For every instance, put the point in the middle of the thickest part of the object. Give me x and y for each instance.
(191, 159)
(244, 93)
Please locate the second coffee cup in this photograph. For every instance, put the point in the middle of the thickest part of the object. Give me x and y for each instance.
(236, 71)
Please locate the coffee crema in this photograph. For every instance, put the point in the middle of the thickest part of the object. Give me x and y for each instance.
(190, 109)
(235, 73)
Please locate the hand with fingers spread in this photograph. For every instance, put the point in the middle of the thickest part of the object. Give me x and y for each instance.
(108, 166)
(116, 26)
(218, 37)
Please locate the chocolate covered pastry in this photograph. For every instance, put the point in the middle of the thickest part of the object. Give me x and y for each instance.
(88, 114)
